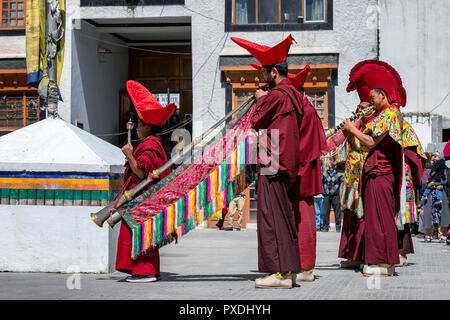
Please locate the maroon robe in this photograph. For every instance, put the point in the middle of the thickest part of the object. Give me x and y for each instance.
(351, 245)
(276, 225)
(149, 156)
(417, 165)
(281, 109)
(306, 231)
(352, 238)
(312, 142)
(380, 200)
(309, 182)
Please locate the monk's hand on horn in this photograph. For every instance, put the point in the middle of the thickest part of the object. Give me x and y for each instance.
(259, 93)
(349, 125)
(127, 150)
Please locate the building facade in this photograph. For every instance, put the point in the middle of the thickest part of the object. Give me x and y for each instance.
(182, 48)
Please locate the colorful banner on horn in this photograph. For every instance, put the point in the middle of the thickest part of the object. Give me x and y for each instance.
(212, 194)
(203, 184)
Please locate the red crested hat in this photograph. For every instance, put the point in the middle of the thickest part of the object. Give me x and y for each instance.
(378, 74)
(446, 150)
(147, 107)
(364, 93)
(297, 80)
(256, 66)
(266, 55)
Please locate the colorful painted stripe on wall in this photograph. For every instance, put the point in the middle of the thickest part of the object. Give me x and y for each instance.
(38, 188)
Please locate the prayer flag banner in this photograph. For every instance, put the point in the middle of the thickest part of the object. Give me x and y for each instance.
(36, 46)
(175, 221)
(196, 189)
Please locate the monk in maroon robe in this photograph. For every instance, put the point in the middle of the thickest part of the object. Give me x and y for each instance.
(351, 246)
(148, 156)
(309, 183)
(278, 110)
(383, 160)
(379, 190)
(312, 140)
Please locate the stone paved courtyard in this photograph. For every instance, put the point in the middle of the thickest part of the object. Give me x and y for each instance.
(210, 264)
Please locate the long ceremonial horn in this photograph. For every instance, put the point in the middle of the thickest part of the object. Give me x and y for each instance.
(359, 113)
(109, 213)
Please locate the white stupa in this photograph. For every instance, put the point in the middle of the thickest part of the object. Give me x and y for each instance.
(46, 171)
(56, 145)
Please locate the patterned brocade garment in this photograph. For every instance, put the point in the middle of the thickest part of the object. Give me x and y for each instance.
(390, 119)
(410, 139)
(356, 155)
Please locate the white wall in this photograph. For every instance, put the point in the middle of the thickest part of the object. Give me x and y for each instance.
(353, 34)
(427, 128)
(15, 47)
(53, 239)
(415, 39)
(96, 80)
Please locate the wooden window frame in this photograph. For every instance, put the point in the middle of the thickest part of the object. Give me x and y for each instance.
(230, 20)
(25, 94)
(314, 90)
(246, 78)
(325, 4)
(16, 27)
(235, 97)
(309, 88)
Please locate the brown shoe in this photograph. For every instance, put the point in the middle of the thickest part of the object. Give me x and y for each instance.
(273, 282)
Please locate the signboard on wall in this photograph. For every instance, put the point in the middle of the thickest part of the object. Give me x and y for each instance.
(163, 98)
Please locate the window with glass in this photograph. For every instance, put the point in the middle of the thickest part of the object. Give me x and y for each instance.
(13, 14)
(18, 110)
(319, 100)
(242, 96)
(278, 11)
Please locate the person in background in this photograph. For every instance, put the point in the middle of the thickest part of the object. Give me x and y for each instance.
(237, 204)
(188, 118)
(219, 224)
(423, 186)
(439, 211)
(332, 181)
(447, 190)
(168, 143)
(318, 204)
(174, 119)
(436, 177)
(446, 153)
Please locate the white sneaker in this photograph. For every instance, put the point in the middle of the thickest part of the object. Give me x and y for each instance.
(271, 281)
(306, 275)
(380, 270)
(142, 279)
